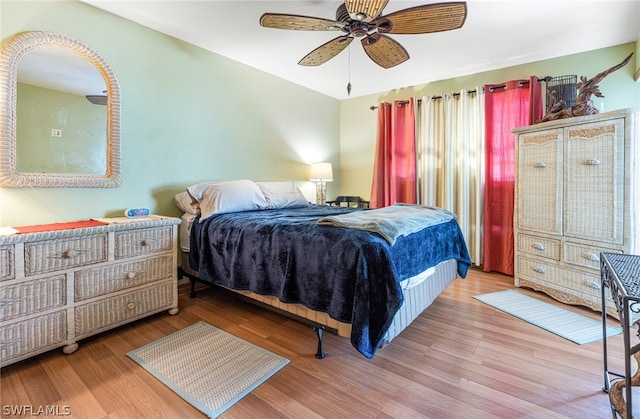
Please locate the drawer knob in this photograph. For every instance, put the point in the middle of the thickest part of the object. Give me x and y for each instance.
(131, 275)
(68, 254)
(144, 242)
(131, 306)
(590, 256)
(538, 246)
(591, 162)
(539, 270)
(540, 165)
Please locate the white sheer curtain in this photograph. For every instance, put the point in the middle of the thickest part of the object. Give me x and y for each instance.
(450, 153)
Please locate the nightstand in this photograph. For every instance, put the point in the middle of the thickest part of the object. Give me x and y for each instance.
(349, 201)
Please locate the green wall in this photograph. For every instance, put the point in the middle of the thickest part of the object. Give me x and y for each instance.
(636, 76)
(358, 121)
(82, 146)
(188, 115)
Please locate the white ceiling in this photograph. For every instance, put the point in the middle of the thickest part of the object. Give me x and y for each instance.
(496, 34)
(60, 69)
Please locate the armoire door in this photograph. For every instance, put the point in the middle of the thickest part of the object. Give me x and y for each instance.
(539, 192)
(594, 181)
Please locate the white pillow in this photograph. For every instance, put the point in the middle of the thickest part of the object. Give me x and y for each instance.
(282, 195)
(184, 232)
(186, 203)
(227, 196)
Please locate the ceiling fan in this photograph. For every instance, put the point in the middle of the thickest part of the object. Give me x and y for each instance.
(98, 99)
(363, 19)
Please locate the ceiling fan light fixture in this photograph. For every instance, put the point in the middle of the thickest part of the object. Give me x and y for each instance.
(359, 29)
(361, 16)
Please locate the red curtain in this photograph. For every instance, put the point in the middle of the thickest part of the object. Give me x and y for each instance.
(394, 168)
(509, 105)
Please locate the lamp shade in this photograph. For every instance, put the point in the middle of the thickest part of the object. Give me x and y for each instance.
(321, 172)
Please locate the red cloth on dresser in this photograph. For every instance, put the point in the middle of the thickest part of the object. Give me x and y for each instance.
(59, 226)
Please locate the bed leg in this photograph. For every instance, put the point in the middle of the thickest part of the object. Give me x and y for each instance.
(320, 353)
(192, 294)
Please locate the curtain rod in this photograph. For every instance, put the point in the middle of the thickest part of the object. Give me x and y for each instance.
(545, 79)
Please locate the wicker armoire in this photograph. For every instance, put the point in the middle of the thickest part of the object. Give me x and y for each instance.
(577, 193)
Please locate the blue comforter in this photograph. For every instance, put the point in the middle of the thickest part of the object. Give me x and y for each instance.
(352, 275)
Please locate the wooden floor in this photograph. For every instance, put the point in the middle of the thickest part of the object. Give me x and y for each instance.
(459, 359)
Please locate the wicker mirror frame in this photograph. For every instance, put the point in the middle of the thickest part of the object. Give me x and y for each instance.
(12, 51)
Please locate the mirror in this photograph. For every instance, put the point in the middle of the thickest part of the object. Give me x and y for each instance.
(56, 131)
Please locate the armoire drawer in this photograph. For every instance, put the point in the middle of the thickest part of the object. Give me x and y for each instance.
(31, 297)
(585, 256)
(55, 255)
(110, 311)
(7, 262)
(561, 278)
(539, 246)
(143, 241)
(583, 297)
(17, 339)
(89, 283)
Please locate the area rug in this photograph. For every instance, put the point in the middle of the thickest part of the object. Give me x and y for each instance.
(208, 367)
(562, 322)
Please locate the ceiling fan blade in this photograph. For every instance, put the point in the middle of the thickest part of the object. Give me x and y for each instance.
(365, 10)
(327, 51)
(299, 23)
(384, 51)
(97, 99)
(428, 18)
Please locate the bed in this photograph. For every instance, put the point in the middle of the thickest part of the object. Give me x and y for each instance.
(323, 264)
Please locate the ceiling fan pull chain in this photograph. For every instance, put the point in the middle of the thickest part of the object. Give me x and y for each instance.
(349, 71)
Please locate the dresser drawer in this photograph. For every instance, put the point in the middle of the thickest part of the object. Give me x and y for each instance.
(32, 336)
(7, 262)
(539, 246)
(91, 283)
(111, 311)
(54, 255)
(585, 256)
(32, 297)
(143, 241)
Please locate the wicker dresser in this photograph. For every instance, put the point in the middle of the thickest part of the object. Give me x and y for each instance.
(57, 287)
(577, 194)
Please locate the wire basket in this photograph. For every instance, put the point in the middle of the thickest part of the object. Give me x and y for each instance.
(561, 88)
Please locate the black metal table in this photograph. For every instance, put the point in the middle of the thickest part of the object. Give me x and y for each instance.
(621, 274)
